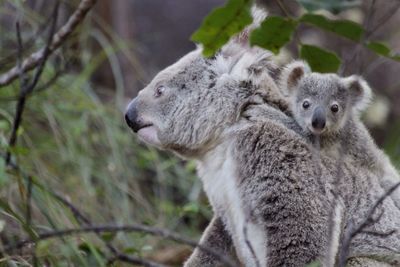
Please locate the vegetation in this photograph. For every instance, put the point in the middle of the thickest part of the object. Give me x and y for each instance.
(75, 163)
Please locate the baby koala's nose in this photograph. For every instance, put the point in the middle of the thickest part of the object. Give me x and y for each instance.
(318, 120)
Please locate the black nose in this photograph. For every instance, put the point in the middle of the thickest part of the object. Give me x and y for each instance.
(318, 119)
(131, 117)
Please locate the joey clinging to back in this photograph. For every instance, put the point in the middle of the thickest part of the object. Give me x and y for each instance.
(324, 105)
(327, 108)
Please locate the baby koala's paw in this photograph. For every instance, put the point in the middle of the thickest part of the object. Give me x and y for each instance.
(255, 111)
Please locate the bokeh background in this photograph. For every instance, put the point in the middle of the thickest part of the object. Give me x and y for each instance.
(74, 142)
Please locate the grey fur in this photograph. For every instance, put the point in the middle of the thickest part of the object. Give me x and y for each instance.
(255, 168)
(344, 133)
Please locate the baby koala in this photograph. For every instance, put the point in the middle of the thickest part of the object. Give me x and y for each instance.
(325, 105)
(327, 108)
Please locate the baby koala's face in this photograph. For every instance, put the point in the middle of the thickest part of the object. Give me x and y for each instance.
(321, 103)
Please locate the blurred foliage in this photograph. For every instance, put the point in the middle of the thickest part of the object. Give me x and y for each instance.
(74, 141)
(275, 32)
(221, 24)
(313, 55)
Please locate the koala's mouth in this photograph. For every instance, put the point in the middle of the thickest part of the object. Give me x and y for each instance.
(148, 134)
(138, 128)
(315, 130)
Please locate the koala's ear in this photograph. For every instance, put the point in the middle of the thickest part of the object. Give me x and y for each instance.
(360, 92)
(291, 76)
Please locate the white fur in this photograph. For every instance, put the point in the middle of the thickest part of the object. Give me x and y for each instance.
(337, 220)
(218, 173)
(366, 98)
(149, 136)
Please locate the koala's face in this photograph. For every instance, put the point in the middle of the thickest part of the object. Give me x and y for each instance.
(321, 103)
(185, 107)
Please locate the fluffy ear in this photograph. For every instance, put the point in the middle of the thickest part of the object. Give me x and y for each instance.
(291, 76)
(360, 92)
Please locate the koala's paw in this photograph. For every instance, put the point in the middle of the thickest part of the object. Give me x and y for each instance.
(254, 112)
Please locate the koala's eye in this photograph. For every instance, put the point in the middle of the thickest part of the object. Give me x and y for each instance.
(334, 108)
(159, 91)
(306, 104)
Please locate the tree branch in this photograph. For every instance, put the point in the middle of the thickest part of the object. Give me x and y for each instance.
(354, 230)
(119, 228)
(57, 40)
(27, 87)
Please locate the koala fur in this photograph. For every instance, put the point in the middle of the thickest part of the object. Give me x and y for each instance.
(344, 134)
(259, 174)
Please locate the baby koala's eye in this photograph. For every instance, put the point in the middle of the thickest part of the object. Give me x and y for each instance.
(159, 91)
(306, 104)
(334, 108)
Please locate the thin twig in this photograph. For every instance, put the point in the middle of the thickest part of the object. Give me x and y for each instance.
(98, 229)
(28, 217)
(283, 8)
(354, 230)
(38, 89)
(364, 38)
(58, 39)
(117, 254)
(385, 18)
(26, 88)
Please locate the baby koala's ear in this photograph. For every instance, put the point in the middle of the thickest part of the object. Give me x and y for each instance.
(360, 92)
(291, 76)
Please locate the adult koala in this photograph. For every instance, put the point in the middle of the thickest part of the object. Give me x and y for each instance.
(271, 198)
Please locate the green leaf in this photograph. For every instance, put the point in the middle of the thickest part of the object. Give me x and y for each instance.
(222, 23)
(191, 208)
(345, 28)
(379, 48)
(383, 50)
(108, 237)
(319, 59)
(396, 57)
(131, 250)
(273, 33)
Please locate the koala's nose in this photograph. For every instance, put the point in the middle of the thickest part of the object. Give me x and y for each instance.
(131, 116)
(318, 119)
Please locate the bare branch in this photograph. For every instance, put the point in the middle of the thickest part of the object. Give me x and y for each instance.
(354, 56)
(25, 87)
(120, 228)
(57, 40)
(369, 219)
(38, 89)
(117, 255)
(385, 18)
(28, 216)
